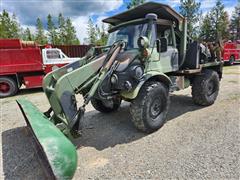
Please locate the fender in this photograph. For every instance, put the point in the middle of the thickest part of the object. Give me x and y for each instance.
(150, 75)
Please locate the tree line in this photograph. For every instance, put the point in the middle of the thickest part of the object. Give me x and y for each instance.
(96, 35)
(214, 25)
(63, 33)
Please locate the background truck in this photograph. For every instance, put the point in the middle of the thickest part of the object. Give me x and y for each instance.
(24, 63)
(231, 53)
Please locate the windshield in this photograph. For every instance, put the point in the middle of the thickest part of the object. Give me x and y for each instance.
(129, 34)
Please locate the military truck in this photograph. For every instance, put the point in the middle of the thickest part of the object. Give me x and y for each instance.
(148, 55)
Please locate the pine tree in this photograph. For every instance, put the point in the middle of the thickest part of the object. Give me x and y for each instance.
(4, 24)
(191, 10)
(9, 27)
(96, 35)
(134, 3)
(220, 20)
(40, 35)
(27, 35)
(207, 31)
(215, 24)
(91, 31)
(71, 38)
(52, 33)
(15, 27)
(102, 35)
(235, 24)
(61, 29)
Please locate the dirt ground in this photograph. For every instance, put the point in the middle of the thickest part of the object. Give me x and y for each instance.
(196, 142)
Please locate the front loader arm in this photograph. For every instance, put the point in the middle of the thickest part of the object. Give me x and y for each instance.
(61, 86)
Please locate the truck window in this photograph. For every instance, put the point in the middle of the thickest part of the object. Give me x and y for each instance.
(53, 54)
(168, 35)
(63, 55)
(129, 33)
(165, 31)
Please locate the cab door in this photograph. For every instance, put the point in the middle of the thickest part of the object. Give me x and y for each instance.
(169, 58)
(52, 56)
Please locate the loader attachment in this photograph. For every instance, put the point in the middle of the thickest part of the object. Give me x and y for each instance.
(57, 152)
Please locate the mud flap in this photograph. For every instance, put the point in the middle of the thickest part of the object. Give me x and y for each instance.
(57, 152)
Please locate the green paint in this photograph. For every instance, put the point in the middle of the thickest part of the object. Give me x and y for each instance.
(151, 74)
(159, 62)
(60, 152)
(133, 93)
(68, 79)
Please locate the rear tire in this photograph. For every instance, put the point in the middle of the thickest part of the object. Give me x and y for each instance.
(205, 88)
(8, 87)
(107, 106)
(150, 107)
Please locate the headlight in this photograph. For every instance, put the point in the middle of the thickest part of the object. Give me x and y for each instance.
(114, 79)
(137, 72)
(143, 42)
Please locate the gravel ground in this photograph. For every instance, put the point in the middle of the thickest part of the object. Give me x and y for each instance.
(196, 142)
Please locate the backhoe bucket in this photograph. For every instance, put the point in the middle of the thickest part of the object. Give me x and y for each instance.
(56, 152)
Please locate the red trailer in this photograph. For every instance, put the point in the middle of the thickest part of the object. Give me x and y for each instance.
(24, 63)
(231, 53)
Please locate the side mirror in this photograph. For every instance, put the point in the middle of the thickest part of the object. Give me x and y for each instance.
(162, 44)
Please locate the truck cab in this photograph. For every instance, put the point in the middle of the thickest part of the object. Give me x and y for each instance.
(54, 58)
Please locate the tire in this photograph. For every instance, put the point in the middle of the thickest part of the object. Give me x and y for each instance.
(107, 106)
(8, 87)
(205, 88)
(231, 61)
(150, 107)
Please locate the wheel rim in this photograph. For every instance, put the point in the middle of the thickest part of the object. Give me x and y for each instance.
(4, 87)
(210, 88)
(155, 108)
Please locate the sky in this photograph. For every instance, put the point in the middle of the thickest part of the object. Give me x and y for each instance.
(27, 11)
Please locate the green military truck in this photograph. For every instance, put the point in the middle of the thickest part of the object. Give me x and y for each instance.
(148, 55)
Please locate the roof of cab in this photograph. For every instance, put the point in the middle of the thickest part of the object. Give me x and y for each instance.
(162, 10)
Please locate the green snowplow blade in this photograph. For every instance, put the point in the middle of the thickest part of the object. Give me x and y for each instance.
(57, 152)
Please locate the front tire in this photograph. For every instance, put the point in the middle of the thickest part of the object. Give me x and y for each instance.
(106, 106)
(205, 88)
(8, 87)
(150, 107)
